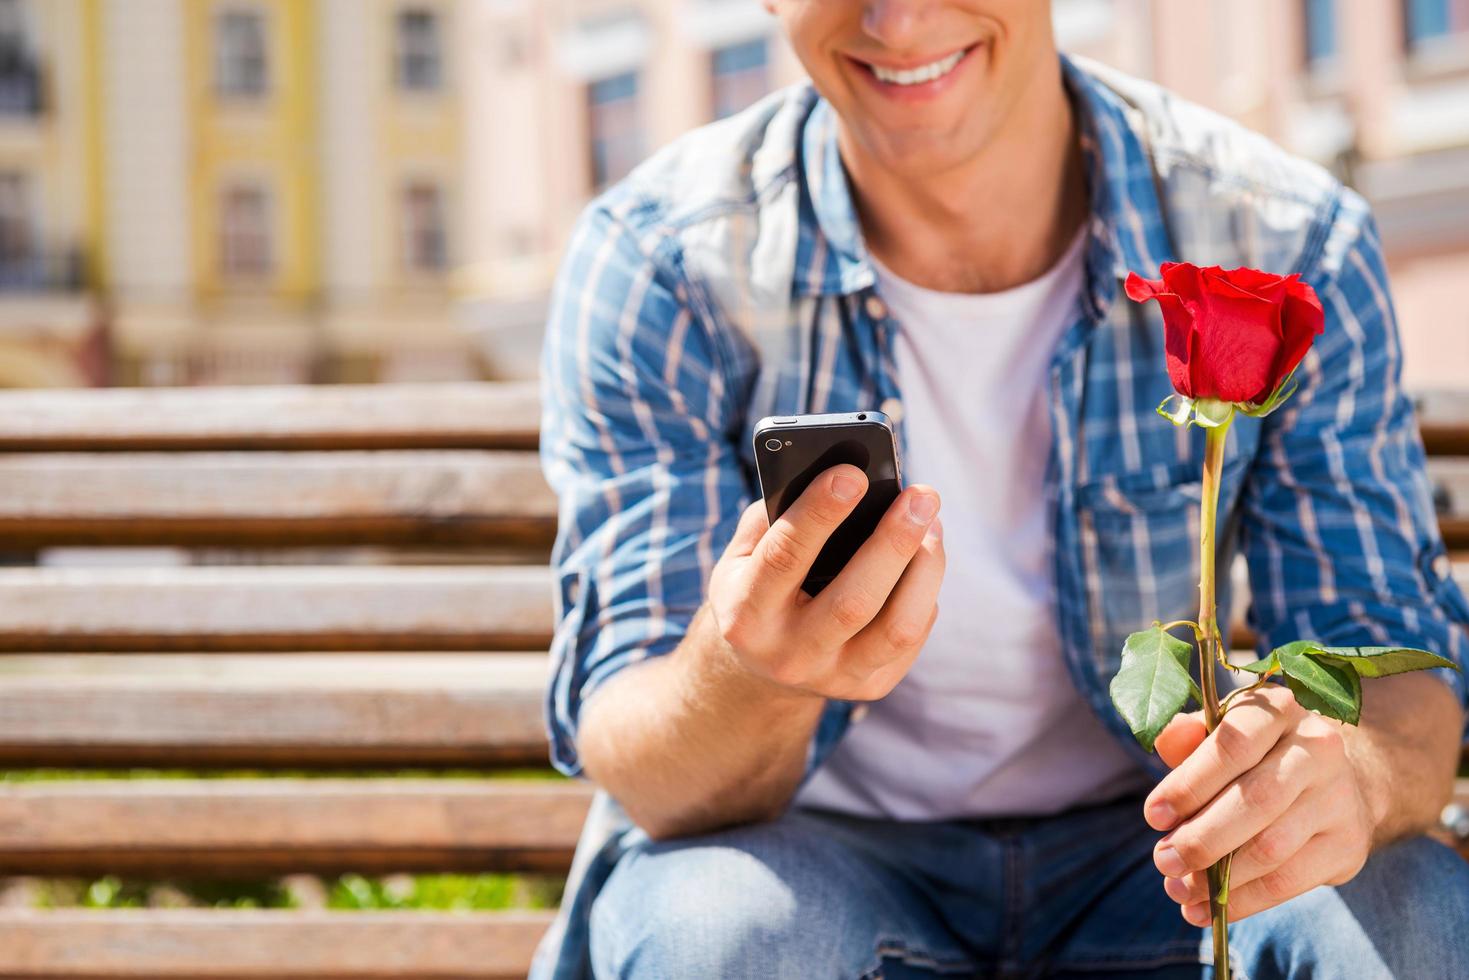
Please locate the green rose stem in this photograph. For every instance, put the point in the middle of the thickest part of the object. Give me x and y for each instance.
(1211, 653)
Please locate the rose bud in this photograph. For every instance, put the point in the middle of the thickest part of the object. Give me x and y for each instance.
(1231, 336)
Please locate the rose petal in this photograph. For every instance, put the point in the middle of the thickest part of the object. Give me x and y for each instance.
(1266, 286)
(1302, 320)
(1180, 342)
(1141, 290)
(1239, 340)
(1183, 310)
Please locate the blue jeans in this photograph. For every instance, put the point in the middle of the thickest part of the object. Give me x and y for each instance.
(818, 894)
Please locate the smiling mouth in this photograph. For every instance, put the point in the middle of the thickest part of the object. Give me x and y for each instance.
(921, 75)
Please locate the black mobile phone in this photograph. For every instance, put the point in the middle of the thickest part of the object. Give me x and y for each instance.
(792, 450)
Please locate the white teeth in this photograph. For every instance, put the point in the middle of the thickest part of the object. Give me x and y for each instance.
(917, 76)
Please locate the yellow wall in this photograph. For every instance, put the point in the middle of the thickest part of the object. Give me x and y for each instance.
(418, 133)
(271, 138)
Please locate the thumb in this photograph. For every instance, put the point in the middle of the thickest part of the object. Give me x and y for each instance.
(1178, 741)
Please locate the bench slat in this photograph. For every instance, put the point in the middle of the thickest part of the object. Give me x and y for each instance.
(273, 710)
(269, 499)
(260, 827)
(498, 415)
(266, 943)
(264, 609)
(1445, 438)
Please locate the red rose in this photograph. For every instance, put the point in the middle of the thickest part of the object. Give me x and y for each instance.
(1232, 336)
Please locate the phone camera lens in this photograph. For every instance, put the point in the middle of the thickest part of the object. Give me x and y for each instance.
(773, 445)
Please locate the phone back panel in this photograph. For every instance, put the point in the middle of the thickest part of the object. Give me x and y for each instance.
(810, 447)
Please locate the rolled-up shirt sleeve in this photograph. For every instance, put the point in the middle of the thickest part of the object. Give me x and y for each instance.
(639, 442)
(1338, 524)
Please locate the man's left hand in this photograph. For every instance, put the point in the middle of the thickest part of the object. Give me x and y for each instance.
(1273, 782)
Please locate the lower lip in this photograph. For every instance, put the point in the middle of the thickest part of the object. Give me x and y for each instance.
(921, 92)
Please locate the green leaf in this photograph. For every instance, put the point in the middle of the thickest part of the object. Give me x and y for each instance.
(1153, 683)
(1269, 664)
(1319, 684)
(1328, 679)
(1328, 689)
(1385, 661)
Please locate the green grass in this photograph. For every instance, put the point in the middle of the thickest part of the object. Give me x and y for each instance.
(349, 892)
(446, 892)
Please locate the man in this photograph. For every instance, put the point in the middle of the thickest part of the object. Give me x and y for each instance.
(938, 227)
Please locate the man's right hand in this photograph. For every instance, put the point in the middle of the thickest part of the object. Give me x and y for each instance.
(858, 637)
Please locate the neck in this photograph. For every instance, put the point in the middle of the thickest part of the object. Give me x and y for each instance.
(997, 220)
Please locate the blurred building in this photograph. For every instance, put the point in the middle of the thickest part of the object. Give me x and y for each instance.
(281, 179)
(213, 191)
(579, 91)
(208, 191)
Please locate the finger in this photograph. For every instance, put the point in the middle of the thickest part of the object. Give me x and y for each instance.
(754, 522)
(858, 593)
(1262, 854)
(1244, 735)
(881, 654)
(1243, 809)
(1314, 864)
(785, 553)
(1178, 740)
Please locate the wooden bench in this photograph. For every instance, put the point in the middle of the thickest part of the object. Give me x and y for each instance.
(433, 656)
(277, 665)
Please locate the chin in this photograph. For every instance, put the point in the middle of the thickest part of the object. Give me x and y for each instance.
(918, 153)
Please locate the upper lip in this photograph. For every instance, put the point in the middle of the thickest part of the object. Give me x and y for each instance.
(908, 64)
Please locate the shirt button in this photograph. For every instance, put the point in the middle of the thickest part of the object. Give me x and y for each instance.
(860, 711)
(1442, 567)
(892, 408)
(876, 308)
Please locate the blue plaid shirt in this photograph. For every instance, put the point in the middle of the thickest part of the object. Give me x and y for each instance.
(726, 280)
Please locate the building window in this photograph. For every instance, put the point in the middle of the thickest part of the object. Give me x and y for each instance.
(419, 56)
(425, 237)
(1319, 21)
(241, 59)
(17, 230)
(741, 75)
(244, 232)
(20, 72)
(614, 127)
(1425, 20)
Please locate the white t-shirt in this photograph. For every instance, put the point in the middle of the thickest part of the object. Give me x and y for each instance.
(988, 721)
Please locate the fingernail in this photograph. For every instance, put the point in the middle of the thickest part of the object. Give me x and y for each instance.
(845, 486)
(1161, 815)
(922, 507)
(1196, 914)
(1170, 863)
(1176, 889)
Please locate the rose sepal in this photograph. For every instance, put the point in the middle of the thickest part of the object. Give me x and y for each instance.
(1179, 415)
(1211, 413)
(1208, 413)
(1284, 390)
